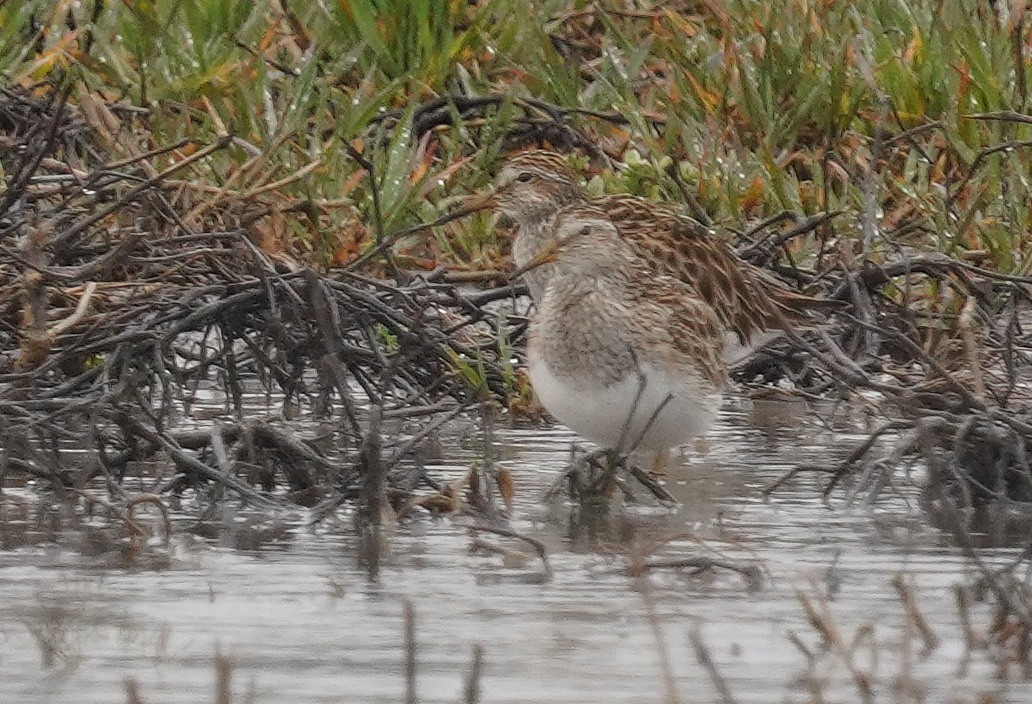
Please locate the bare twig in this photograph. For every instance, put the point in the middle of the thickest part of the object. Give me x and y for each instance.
(538, 546)
(471, 692)
(705, 658)
(906, 595)
(411, 653)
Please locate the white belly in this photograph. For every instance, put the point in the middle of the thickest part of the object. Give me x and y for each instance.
(664, 414)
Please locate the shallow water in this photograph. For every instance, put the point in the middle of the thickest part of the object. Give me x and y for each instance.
(302, 622)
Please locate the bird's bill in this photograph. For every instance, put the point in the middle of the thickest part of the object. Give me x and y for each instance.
(546, 256)
(476, 202)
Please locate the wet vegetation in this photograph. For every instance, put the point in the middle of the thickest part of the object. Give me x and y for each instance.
(223, 196)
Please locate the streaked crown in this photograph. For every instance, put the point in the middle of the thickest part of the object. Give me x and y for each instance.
(534, 185)
(582, 220)
(588, 239)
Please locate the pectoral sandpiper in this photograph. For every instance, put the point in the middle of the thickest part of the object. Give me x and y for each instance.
(530, 189)
(751, 306)
(626, 357)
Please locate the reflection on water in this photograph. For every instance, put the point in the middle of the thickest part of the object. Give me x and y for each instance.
(303, 624)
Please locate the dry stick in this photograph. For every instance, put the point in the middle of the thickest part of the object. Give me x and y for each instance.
(471, 692)
(218, 448)
(795, 640)
(1018, 52)
(392, 237)
(132, 691)
(481, 544)
(154, 500)
(771, 242)
(878, 474)
(655, 488)
(409, 409)
(977, 164)
(861, 450)
(35, 345)
(115, 165)
(223, 678)
(122, 514)
(99, 267)
(252, 166)
(538, 546)
(789, 475)
(278, 65)
(751, 573)
(864, 635)
(287, 444)
(933, 264)
(1008, 352)
(410, 653)
(1006, 596)
(209, 312)
(767, 222)
(1001, 116)
(374, 188)
(971, 639)
(966, 324)
(160, 439)
(414, 441)
(285, 181)
(823, 622)
(861, 299)
(327, 318)
(397, 317)
(805, 226)
(914, 615)
(842, 359)
(698, 212)
(24, 175)
(908, 135)
(372, 497)
(472, 277)
(963, 612)
(75, 229)
(438, 110)
(920, 354)
(705, 658)
(665, 667)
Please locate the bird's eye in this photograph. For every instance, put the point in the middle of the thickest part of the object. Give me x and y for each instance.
(585, 230)
(524, 177)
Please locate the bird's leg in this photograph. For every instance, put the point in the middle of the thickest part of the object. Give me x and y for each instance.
(593, 477)
(581, 477)
(606, 482)
(595, 458)
(650, 422)
(629, 420)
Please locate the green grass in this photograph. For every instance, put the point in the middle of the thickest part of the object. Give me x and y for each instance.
(764, 106)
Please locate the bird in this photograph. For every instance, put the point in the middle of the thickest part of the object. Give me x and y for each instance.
(753, 307)
(628, 358)
(530, 189)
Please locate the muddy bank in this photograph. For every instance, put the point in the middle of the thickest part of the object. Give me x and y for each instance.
(126, 289)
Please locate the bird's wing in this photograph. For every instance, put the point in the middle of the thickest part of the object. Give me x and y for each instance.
(744, 298)
(682, 329)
